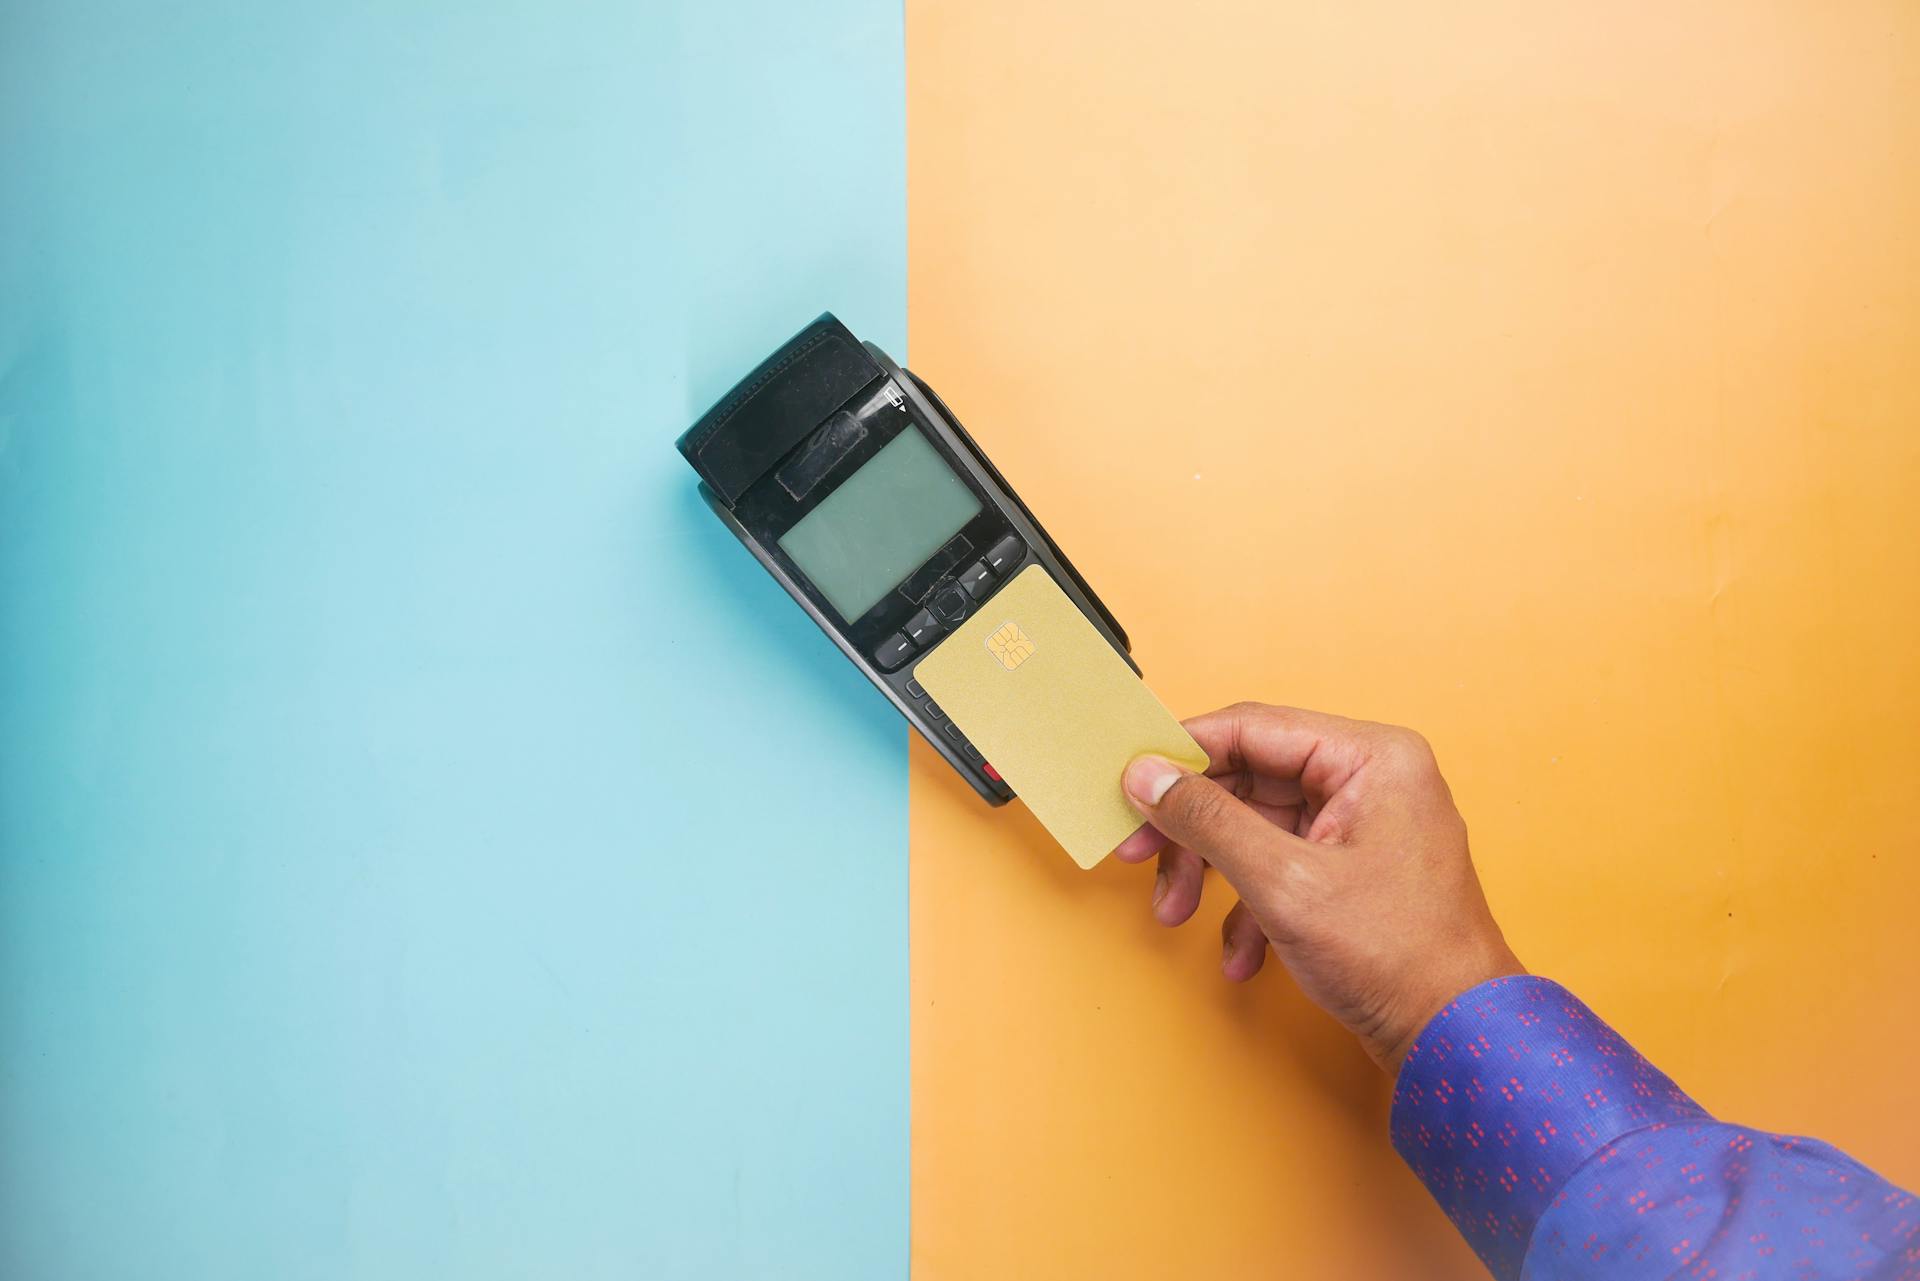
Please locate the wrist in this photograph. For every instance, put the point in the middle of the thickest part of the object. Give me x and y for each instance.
(1440, 986)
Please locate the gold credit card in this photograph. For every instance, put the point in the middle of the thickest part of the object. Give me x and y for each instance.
(1056, 711)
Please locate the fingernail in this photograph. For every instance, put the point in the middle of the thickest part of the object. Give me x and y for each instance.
(1149, 777)
(1159, 887)
(1226, 951)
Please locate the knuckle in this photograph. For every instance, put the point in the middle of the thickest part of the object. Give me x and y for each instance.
(1409, 749)
(1198, 804)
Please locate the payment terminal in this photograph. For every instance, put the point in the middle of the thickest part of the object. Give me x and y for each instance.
(861, 493)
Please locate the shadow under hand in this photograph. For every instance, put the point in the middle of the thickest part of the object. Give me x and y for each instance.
(1286, 1055)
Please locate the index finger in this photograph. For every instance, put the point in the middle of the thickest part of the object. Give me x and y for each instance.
(1282, 752)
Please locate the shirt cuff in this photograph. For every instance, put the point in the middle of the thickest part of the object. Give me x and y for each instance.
(1505, 1094)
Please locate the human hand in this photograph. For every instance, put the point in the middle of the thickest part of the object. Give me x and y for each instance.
(1349, 857)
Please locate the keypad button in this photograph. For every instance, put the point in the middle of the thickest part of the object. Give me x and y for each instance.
(922, 627)
(951, 603)
(953, 732)
(1006, 554)
(891, 652)
(976, 578)
(973, 753)
(915, 689)
(934, 713)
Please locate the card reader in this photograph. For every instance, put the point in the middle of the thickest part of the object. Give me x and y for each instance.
(861, 493)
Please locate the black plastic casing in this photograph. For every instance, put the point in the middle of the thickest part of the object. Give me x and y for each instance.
(805, 419)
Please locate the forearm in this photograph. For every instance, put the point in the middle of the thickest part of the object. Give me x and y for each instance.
(1559, 1151)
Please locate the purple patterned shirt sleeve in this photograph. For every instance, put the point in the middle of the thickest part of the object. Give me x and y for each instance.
(1559, 1152)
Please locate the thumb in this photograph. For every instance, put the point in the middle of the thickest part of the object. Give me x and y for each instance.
(1193, 810)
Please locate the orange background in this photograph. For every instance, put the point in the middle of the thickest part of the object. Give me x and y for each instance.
(1544, 380)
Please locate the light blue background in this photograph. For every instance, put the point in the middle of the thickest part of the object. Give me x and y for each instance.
(431, 847)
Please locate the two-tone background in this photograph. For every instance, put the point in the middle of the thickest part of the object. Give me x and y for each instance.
(430, 847)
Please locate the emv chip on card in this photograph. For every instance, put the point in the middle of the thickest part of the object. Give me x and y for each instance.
(1043, 695)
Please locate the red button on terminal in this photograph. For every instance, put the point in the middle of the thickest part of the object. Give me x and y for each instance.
(991, 772)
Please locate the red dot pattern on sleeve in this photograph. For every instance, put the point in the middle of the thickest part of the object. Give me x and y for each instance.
(1560, 1152)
